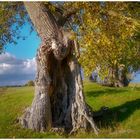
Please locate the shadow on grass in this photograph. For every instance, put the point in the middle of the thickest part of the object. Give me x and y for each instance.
(96, 93)
(111, 117)
(136, 88)
(110, 90)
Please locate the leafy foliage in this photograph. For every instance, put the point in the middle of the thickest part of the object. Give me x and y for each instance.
(13, 15)
(109, 35)
(30, 83)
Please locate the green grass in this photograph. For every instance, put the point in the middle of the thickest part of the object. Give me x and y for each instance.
(122, 121)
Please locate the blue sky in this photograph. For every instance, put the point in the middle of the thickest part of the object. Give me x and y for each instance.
(17, 64)
(25, 49)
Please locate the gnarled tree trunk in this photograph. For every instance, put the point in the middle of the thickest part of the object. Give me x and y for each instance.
(59, 100)
(116, 77)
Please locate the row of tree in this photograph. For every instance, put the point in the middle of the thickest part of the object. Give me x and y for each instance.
(109, 39)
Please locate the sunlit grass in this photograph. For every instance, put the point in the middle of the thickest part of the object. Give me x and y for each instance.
(123, 103)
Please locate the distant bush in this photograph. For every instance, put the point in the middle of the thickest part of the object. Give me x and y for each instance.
(30, 83)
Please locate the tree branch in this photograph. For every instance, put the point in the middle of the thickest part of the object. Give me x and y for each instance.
(48, 26)
(62, 20)
(62, 15)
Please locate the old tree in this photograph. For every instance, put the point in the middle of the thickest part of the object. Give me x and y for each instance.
(59, 103)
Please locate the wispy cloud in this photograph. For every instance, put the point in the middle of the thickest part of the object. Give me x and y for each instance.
(14, 71)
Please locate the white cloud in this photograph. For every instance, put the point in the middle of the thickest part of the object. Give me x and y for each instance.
(16, 71)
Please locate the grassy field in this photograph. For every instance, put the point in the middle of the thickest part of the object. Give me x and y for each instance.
(122, 120)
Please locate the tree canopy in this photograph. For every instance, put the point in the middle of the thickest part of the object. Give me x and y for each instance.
(108, 32)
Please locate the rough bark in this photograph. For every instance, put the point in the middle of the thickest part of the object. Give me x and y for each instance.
(38, 14)
(59, 102)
